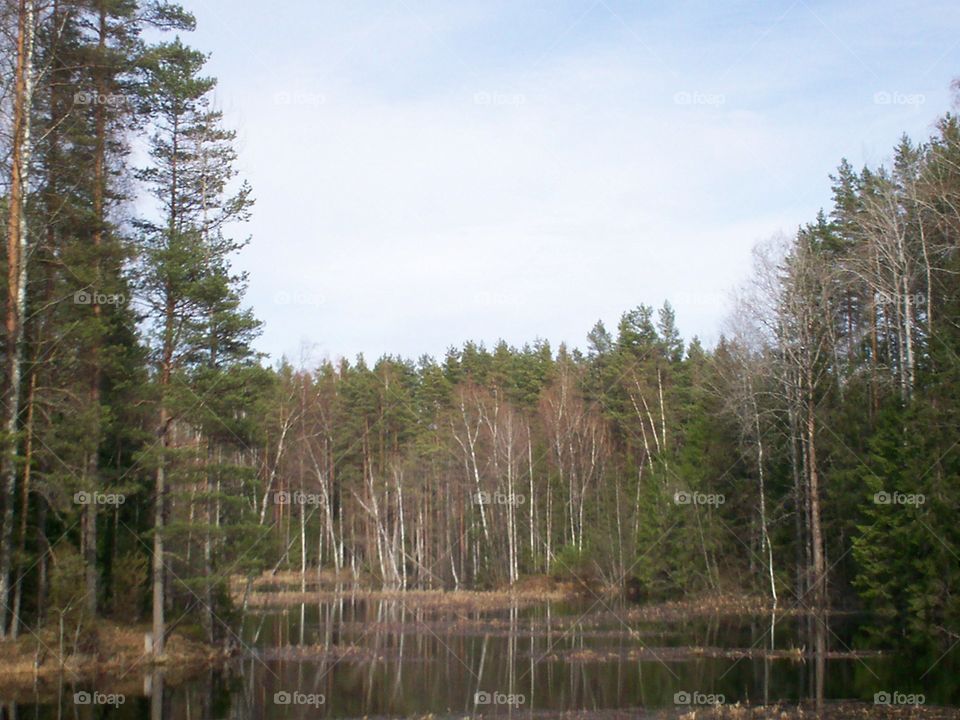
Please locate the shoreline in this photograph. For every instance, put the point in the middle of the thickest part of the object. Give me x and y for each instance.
(115, 652)
(112, 650)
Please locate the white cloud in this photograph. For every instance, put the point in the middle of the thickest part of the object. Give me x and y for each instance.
(413, 194)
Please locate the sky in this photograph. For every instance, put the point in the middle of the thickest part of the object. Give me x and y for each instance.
(428, 173)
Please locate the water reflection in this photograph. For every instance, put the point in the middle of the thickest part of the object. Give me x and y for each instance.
(354, 657)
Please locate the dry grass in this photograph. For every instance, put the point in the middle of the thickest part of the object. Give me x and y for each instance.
(284, 588)
(680, 654)
(466, 600)
(708, 606)
(830, 711)
(106, 649)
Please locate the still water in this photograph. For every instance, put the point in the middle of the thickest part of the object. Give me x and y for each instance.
(355, 658)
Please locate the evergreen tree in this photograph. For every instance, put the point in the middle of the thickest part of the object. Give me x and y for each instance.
(195, 325)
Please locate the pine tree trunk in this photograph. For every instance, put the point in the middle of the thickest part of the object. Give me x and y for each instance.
(16, 288)
(99, 182)
(159, 569)
(209, 615)
(24, 504)
(43, 548)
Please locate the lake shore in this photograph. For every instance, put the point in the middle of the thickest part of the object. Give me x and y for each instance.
(113, 655)
(107, 650)
(118, 650)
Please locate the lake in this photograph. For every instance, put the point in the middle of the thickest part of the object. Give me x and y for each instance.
(358, 657)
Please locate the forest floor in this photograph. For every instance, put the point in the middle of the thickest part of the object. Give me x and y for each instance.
(34, 663)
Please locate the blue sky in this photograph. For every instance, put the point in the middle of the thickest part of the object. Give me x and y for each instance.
(432, 172)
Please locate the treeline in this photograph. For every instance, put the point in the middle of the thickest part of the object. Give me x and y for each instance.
(812, 455)
(149, 456)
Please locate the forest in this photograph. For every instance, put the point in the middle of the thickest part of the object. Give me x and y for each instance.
(152, 460)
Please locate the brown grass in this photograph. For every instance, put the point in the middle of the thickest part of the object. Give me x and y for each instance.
(679, 654)
(452, 599)
(106, 649)
(284, 588)
(831, 711)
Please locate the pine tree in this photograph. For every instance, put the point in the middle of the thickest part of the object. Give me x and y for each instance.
(192, 299)
(18, 247)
